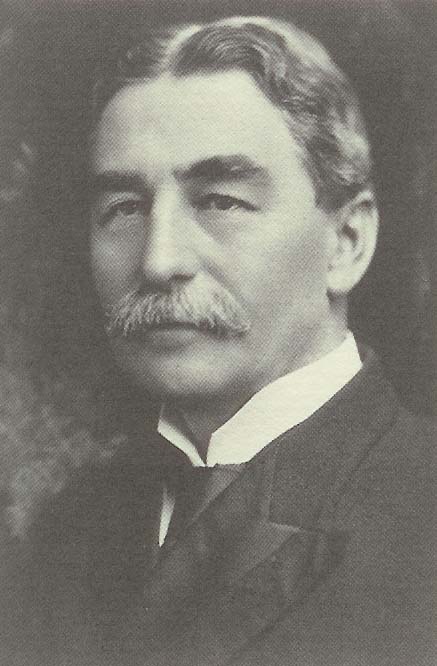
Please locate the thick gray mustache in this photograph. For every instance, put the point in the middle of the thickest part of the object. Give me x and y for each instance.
(205, 309)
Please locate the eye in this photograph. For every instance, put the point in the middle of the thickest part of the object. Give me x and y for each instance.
(222, 202)
(127, 208)
(122, 212)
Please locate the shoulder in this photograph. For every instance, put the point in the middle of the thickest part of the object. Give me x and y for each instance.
(389, 511)
(386, 503)
(400, 468)
(385, 585)
(395, 473)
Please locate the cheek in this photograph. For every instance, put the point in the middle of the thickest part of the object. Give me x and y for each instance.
(304, 251)
(282, 267)
(114, 267)
(309, 262)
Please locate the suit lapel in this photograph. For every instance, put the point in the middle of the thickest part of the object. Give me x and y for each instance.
(318, 458)
(262, 590)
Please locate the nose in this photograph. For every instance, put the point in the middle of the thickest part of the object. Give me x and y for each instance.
(168, 254)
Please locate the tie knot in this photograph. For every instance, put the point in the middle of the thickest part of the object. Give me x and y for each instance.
(185, 480)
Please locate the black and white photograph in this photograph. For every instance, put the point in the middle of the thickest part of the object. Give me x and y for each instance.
(218, 349)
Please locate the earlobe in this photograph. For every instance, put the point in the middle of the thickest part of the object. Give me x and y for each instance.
(355, 230)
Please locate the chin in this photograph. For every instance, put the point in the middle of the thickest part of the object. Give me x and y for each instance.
(185, 387)
(178, 377)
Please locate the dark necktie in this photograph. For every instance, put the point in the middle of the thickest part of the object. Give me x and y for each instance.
(186, 483)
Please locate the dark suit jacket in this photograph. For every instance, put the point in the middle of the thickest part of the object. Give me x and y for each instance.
(320, 552)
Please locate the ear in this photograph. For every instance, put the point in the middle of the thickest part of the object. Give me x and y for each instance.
(354, 232)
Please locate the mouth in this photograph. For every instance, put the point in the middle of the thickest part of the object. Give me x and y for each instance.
(168, 336)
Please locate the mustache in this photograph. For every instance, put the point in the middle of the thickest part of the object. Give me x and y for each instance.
(203, 307)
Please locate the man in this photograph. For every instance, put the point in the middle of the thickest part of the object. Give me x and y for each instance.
(279, 509)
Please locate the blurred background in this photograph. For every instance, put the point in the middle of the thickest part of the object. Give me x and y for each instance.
(48, 54)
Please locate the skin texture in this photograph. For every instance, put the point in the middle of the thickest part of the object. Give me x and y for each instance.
(167, 216)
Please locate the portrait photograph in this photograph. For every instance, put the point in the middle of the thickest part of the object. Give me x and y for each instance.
(218, 344)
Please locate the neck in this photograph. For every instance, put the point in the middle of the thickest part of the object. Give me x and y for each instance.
(201, 418)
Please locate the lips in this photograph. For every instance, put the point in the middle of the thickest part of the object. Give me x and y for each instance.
(165, 337)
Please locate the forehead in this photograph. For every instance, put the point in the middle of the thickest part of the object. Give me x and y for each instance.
(180, 120)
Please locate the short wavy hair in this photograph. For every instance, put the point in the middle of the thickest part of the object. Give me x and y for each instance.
(289, 66)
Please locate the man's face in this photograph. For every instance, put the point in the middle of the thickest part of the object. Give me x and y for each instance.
(200, 190)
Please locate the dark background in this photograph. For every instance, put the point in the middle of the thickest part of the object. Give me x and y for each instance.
(48, 53)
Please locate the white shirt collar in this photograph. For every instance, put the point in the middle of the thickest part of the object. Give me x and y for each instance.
(277, 407)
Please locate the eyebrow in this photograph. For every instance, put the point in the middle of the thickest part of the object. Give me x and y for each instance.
(223, 167)
(209, 170)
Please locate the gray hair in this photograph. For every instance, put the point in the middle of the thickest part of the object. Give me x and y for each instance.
(289, 66)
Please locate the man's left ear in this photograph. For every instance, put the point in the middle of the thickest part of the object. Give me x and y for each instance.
(354, 233)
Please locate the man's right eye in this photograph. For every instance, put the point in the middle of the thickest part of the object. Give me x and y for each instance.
(123, 212)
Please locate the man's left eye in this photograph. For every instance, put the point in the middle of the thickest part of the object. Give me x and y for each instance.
(222, 202)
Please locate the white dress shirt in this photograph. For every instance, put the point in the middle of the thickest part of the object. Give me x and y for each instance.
(276, 408)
